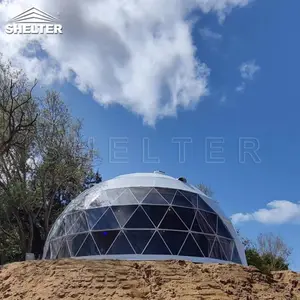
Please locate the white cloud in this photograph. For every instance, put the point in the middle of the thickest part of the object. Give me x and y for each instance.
(277, 212)
(241, 88)
(207, 33)
(223, 99)
(136, 53)
(249, 69)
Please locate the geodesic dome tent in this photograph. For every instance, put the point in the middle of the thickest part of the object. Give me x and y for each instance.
(144, 216)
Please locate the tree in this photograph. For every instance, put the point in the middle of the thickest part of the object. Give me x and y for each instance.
(40, 176)
(205, 190)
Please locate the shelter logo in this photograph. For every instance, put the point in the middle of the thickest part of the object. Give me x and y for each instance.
(33, 21)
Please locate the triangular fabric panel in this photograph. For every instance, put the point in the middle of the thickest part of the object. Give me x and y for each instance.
(107, 221)
(190, 248)
(140, 192)
(88, 248)
(139, 239)
(235, 256)
(211, 219)
(155, 212)
(222, 229)
(123, 213)
(186, 215)
(139, 220)
(173, 239)
(104, 239)
(157, 246)
(180, 200)
(126, 198)
(80, 225)
(75, 242)
(193, 198)
(203, 205)
(172, 221)
(200, 225)
(204, 242)
(217, 251)
(120, 246)
(168, 194)
(154, 198)
(93, 215)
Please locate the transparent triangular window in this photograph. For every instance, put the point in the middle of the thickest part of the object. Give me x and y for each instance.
(180, 200)
(186, 215)
(204, 242)
(203, 205)
(75, 242)
(172, 221)
(70, 220)
(80, 225)
(192, 197)
(107, 221)
(157, 246)
(154, 198)
(155, 212)
(139, 220)
(168, 194)
(200, 225)
(120, 246)
(217, 251)
(140, 192)
(190, 248)
(93, 215)
(104, 239)
(139, 239)
(88, 248)
(54, 248)
(227, 246)
(173, 239)
(123, 213)
(211, 219)
(125, 198)
(235, 256)
(64, 250)
(222, 229)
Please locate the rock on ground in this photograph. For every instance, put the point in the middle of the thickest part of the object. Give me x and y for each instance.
(160, 280)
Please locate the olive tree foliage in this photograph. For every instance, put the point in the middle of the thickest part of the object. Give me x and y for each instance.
(40, 172)
(205, 189)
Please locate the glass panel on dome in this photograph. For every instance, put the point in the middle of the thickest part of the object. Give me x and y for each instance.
(222, 230)
(157, 246)
(227, 246)
(125, 198)
(107, 221)
(168, 194)
(171, 221)
(123, 213)
(47, 255)
(88, 248)
(180, 200)
(235, 256)
(59, 228)
(173, 239)
(192, 197)
(155, 198)
(70, 220)
(140, 192)
(75, 242)
(80, 225)
(200, 225)
(64, 250)
(211, 219)
(139, 239)
(104, 239)
(155, 212)
(204, 242)
(139, 220)
(186, 214)
(54, 248)
(203, 205)
(113, 194)
(93, 215)
(121, 246)
(217, 251)
(190, 248)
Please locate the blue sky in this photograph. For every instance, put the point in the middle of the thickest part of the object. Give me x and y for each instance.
(261, 36)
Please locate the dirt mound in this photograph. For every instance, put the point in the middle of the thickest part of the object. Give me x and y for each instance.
(169, 280)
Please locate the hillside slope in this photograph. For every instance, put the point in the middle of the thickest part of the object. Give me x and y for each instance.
(87, 280)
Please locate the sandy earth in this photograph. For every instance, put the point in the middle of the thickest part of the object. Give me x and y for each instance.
(87, 280)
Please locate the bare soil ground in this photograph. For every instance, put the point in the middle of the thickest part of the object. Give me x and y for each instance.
(168, 280)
